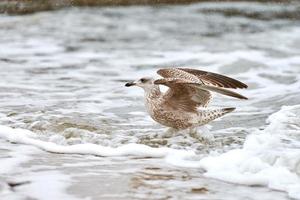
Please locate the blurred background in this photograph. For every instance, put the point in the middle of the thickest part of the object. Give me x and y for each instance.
(31, 6)
(63, 66)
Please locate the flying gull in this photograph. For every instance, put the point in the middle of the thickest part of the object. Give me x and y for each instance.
(189, 89)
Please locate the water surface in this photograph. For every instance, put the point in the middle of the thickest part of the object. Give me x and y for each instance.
(63, 74)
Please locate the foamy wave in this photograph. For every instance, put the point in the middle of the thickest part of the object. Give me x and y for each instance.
(269, 157)
(27, 137)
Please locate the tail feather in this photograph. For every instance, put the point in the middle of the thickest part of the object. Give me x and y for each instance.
(206, 116)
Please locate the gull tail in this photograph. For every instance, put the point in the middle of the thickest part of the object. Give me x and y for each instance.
(205, 116)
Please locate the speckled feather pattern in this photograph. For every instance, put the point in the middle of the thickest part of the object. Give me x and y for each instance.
(162, 113)
(188, 90)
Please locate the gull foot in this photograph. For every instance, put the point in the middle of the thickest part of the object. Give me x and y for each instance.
(170, 133)
(203, 135)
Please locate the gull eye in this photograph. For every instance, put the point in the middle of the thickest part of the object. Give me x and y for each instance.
(143, 80)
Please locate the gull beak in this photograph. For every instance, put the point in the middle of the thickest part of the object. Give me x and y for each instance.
(130, 84)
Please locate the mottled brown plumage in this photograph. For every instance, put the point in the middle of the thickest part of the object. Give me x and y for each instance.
(188, 90)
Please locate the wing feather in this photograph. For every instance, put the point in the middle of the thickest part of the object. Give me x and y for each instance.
(208, 78)
(183, 96)
(190, 88)
(219, 90)
(215, 79)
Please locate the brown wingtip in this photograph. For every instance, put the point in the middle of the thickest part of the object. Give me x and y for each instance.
(242, 97)
(239, 96)
(227, 110)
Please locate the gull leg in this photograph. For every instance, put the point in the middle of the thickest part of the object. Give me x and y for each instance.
(203, 135)
(193, 131)
(170, 132)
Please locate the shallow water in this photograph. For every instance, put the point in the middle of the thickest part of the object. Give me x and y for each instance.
(63, 75)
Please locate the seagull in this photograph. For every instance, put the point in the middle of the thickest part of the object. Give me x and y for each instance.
(184, 104)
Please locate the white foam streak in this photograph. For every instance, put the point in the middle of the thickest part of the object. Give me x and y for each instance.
(133, 149)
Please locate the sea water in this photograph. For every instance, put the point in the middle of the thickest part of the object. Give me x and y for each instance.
(68, 122)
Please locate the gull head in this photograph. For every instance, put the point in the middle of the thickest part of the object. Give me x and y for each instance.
(146, 83)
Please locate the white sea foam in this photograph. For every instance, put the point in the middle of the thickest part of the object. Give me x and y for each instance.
(14, 159)
(43, 185)
(269, 157)
(26, 137)
(43, 182)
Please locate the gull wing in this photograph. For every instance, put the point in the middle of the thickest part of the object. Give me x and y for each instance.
(189, 89)
(207, 78)
(183, 96)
